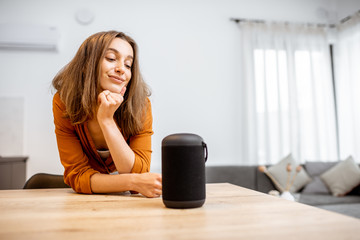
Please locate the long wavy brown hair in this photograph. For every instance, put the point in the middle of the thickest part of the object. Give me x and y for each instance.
(79, 86)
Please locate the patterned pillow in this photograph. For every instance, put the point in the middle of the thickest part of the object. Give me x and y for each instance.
(282, 179)
(343, 177)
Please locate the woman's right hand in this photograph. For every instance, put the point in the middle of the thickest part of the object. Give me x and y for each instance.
(148, 184)
(108, 103)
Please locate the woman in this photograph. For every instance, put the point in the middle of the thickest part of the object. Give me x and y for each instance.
(103, 120)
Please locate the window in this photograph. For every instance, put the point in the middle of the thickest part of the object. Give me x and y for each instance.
(291, 105)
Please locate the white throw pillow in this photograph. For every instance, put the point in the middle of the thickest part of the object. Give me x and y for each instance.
(280, 173)
(343, 177)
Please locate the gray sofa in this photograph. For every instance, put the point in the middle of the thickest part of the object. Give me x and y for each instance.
(250, 177)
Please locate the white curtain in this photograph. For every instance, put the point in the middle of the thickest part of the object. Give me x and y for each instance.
(286, 93)
(347, 69)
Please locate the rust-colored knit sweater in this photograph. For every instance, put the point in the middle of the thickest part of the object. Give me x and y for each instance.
(79, 156)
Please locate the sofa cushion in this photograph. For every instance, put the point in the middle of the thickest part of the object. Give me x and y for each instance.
(326, 199)
(343, 177)
(263, 183)
(318, 168)
(315, 169)
(316, 186)
(280, 174)
(243, 176)
(350, 209)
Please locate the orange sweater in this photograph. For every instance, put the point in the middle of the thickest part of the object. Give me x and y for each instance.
(79, 156)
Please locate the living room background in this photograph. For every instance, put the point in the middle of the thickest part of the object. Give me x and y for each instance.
(287, 102)
(189, 55)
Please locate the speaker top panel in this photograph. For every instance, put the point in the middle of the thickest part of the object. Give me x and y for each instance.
(182, 139)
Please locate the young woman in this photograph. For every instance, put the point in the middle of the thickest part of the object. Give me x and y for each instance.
(103, 120)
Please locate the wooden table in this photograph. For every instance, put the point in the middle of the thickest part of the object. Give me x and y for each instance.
(230, 212)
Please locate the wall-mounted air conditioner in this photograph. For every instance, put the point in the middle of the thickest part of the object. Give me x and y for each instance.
(28, 37)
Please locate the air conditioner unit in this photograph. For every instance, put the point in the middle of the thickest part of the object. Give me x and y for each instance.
(28, 37)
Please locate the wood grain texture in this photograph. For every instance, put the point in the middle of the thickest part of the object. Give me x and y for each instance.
(230, 212)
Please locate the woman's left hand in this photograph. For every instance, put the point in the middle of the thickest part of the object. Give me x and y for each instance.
(109, 102)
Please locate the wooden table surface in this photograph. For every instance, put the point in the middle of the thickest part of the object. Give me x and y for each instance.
(230, 212)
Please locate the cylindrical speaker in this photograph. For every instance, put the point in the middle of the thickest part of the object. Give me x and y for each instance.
(183, 158)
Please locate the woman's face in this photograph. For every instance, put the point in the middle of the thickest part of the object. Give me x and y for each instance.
(116, 66)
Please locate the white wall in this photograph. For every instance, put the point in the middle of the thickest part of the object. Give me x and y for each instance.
(188, 55)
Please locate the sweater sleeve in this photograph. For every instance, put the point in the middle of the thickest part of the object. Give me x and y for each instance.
(77, 171)
(141, 144)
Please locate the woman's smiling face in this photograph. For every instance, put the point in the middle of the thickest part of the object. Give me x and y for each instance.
(116, 66)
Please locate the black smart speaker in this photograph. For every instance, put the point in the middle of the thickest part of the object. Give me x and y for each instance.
(183, 158)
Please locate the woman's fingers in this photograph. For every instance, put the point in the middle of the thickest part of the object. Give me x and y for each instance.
(112, 99)
(109, 102)
(123, 90)
(155, 193)
(158, 192)
(149, 184)
(102, 97)
(157, 186)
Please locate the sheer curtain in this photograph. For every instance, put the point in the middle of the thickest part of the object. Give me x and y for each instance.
(347, 62)
(286, 93)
